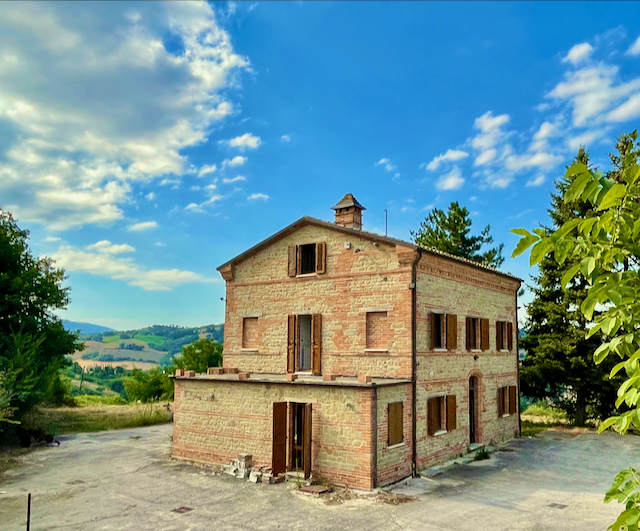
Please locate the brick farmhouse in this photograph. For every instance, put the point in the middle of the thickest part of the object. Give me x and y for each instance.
(354, 357)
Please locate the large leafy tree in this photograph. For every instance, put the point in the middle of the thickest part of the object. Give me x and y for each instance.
(200, 355)
(33, 341)
(606, 253)
(559, 361)
(450, 232)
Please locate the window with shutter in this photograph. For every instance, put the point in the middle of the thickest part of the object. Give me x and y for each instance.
(438, 331)
(513, 397)
(316, 343)
(452, 332)
(474, 332)
(441, 414)
(321, 257)
(510, 336)
(291, 343)
(293, 260)
(306, 259)
(395, 423)
(451, 412)
(484, 329)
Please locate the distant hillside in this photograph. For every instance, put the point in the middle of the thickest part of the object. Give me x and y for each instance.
(155, 344)
(85, 328)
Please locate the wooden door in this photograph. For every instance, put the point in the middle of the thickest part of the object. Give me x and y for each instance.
(306, 440)
(279, 452)
(472, 409)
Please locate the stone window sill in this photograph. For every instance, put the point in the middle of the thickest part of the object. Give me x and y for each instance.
(441, 432)
(476, 350)
(396, 445)
(249, 350)
(440, 349)
(506, 415)
(307, 275)
(376, 350)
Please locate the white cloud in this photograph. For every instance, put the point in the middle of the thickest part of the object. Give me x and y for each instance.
(193, 207)
(206, 169)
(239, 178)
(427, 207)
(235, 161)
(490, 136)
(107, 265)
(537, 181)
(387, 164)
(382, 161)
(69, 157)
(578, 54)
(150, 196)
(485, 157)
(286, 138)
(473, 198)
(531, 160)
(52, 239)
(629, 110)
(243, 142)
(450, 155)
(144, 225)
(450, 181)
(254, 197)
(586, 139)
(406, 209)
(634, 49)
(160, 244)
(105, 246)
(396, 175)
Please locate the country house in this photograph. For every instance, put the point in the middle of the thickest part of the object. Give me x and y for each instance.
(354, 357)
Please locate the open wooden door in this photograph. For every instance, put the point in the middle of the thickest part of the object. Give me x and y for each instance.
(279, 452)
(306, 440)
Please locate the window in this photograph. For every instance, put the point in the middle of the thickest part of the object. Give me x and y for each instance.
(395, 423)
(304, 343)
(441, 414)
(307, 259)
(477, 332)
(507, 400)
(504, 335)
(378, 330)
(444, 331)
(250, 332)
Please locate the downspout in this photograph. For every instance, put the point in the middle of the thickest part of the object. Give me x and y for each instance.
(374, 432)
(518, 365)
(414, 365)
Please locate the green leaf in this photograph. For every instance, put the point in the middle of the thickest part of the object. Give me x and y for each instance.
(523, 245)
(577, 187)
(617, 368)
(607, 424)
(612, 197)
(521, 232)
(615, 297)
(567, 227)
(568, 276)
(540, 250)
(601, 353)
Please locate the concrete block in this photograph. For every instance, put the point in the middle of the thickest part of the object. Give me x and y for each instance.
(364, 378)
(255, 476)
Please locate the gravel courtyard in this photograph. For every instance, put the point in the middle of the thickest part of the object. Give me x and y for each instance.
(126, 480)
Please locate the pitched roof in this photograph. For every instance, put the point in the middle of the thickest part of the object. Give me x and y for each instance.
(307, 220)
(348, 201)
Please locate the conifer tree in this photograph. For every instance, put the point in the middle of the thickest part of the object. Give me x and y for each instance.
(559, 362)
(450, 233)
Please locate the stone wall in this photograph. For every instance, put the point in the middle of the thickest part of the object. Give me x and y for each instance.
(366, 277)
(449, 287)
(214, 421)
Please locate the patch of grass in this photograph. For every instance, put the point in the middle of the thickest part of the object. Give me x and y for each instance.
(111, 339)
(94, 400)
(151, 339)
(541, 409)
(482, 454)
(531, 429)
(97, 417)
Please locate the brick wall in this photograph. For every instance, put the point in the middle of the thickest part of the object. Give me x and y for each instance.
(394, 463)
(367, 277)
(465, 291)
(214, 421)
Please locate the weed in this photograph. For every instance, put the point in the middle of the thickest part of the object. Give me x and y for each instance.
(482, 454)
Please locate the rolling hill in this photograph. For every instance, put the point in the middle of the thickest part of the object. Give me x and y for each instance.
(85, 328)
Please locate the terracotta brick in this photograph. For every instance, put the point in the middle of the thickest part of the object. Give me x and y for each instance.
(231, 370)
(327, 377)
(292, 377)
(364, 378)
(215, 370)
(244, 375)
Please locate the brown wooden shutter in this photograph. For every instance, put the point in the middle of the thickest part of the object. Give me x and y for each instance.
(279, 451)
(291, 439)
(321, 257)
(395, 423)
(293, 255)
(307, 422)
(432, 416)
(432, 326)
(498, 335)
(291, 344)
(451, 412)
(500, 401)
(513, 397)
(468, 326)
(484, 334)
(298, 259)
(452, 332)
(316, 343)
(510, 336)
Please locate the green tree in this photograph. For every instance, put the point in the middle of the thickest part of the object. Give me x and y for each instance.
(200, 355)
(559, 357)
(606, 253)
(450, 233)
(33, 341)
(149, 386)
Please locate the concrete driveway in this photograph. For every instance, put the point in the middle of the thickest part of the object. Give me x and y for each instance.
(125, 480)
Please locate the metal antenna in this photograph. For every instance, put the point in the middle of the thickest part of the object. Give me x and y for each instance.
(386, 224)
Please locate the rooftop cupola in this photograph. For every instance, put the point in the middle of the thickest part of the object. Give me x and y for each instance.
(349, 212)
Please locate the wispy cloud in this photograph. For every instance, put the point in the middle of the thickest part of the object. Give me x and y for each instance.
(578, 54)
(246, 141)
(450, 181)
(234, 162)
(237, 179)
(207, 169)
(144, 225)
(256, 197)
(536, 181)
(450, 155)
(105, 246)
(285, 138)
(387, 164)
(51, 239)
(634, 49)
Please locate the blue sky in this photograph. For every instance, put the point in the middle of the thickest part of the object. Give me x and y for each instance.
(145, 144)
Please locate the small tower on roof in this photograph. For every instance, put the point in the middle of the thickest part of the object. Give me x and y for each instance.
(349, 212)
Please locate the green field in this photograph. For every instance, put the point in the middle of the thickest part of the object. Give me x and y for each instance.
(111, 339)
(151, 339)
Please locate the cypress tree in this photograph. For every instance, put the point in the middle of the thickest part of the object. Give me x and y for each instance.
(559, 363)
